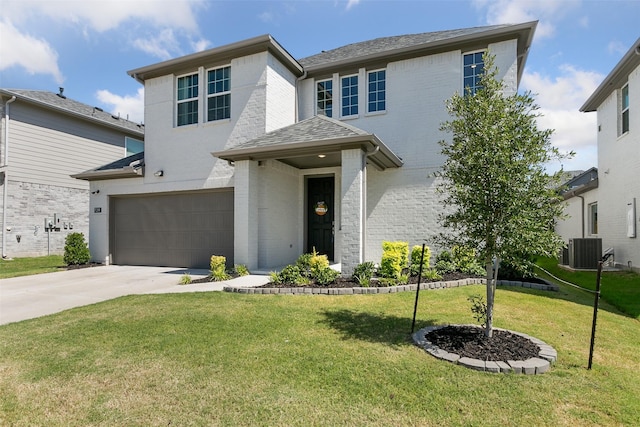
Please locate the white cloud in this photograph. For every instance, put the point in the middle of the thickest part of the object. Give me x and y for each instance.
(352, 3)
(161, 46)
(200, 45)
(35, 55)
(560, 99)
(547, 12)
(128, 105)
(616, 48)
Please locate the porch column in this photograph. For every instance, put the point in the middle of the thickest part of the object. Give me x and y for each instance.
(245, 214)
(353, 206)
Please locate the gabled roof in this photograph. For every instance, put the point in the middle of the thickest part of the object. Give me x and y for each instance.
(580, 183)
(128, 167)
(318, 135)
(616, 78)
(386, 49)
(74, 108)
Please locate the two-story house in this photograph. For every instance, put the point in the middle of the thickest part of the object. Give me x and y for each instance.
(44, 138)
(612, 209)
(255, 155)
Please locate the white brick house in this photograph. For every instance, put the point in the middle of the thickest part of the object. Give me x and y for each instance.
(617, 103)
(260, 157)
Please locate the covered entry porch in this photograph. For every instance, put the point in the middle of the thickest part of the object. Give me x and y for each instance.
(283, 181)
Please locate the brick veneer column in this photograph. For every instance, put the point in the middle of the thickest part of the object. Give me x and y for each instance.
(246, 214)
(353, 209)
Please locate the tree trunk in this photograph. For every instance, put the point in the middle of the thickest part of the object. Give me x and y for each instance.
(488, 329)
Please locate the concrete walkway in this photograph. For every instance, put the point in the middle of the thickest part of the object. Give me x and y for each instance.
(29, 297)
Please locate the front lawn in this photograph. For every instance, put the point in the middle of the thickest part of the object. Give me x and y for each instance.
(234, 359)
(28, 266)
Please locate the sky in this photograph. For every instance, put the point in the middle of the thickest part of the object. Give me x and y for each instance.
(87, 46)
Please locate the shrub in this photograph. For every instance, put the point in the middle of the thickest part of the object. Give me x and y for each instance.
(394, 259)
(241, 270)
(522, 269)
(325, 276)
(444, 263)
(218, 270)
(76, 251)
(304, 264)
(290, 275)
(185, 279)
(478, 308)
(416, 254)
(363, 273)
(466, 260)
(431, 274)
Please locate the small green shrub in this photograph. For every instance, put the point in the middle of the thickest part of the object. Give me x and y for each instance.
(76, 251)
(325, 276)
(431, 274)
(394, 259)
(185, 279)
(291, 275)
(416, 254)
(304, 264)
(241, 270)
(478, 308)
(444, 263)
(218, 270)
(466, 260)
(363, 273)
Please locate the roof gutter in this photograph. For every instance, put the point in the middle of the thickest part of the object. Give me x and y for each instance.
(5, 174)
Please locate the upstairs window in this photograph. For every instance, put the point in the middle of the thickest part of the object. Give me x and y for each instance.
(593, 218)
(219, 94)
(377, 91)
(187, 100)
(133, 146)
(473, 67)
(624, 113)
(324, 93)
(349, 96)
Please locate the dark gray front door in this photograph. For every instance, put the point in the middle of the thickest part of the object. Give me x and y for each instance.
(320, 214)
(173, 230)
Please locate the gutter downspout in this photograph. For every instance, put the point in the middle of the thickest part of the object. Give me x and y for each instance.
(582, 210)
(5, 167)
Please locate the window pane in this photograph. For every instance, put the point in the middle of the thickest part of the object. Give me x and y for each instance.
(187, 113)
(219, 107)
(625, 97)
(324, 98)
(472, 70)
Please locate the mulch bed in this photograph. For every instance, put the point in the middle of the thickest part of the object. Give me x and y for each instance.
(347, 282)
(469, 341)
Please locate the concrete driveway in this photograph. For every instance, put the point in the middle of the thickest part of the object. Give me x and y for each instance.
(28, 297)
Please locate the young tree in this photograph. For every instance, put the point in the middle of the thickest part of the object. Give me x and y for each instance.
(499, 198)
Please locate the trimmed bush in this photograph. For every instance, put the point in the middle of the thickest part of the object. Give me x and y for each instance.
(363, 273)
(394, 259)
(218, 270)
(76, 251)
(290, 275)
(241, 270)
(416, 253)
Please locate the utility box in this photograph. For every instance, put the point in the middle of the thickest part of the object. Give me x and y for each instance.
(585, 253)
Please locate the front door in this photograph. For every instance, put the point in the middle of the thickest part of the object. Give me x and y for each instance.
(320, 214)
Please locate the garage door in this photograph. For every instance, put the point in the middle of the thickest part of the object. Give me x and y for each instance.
(173, 230)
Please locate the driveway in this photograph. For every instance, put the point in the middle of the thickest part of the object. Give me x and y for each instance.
(28, 297)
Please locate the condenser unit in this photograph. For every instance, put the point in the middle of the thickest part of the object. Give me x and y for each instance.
(585, 253)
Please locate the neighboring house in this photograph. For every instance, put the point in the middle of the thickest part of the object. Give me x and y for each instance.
(44, 138)
(617, 102)
(260, 157)
(581, 199)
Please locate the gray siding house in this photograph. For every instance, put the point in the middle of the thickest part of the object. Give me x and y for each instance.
(260, 157)
(45, 138)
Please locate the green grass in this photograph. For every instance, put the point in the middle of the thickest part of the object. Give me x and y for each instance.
(619, 288)
(28, 266)
(233, 359)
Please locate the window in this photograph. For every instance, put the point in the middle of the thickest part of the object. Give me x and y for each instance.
(187, 100)
(133, 146)
(219, 94)
(624, 116)
(472, 70)
(349, 96)
(324, 93)
(377, 92)
(593, 218)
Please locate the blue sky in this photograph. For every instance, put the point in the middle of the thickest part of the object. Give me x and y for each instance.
(87, 46)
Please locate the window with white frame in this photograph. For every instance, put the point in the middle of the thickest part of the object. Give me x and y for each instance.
(219, 94)
(593, 218)
(624, 109)
(473, 67)
(133, 146)
(324, 94)
(187, 100)
(349, 95)
(377, 91)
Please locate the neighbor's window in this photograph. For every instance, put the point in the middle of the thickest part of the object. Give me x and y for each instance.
(377, 91)
(473, 67)
(133, 146)
(219, 94)
(187, 100)
(324, 93)
(625, 109)
(349, 96)
(593, 218)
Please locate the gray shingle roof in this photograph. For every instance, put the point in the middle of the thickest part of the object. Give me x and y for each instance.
(121, 163)
(69, 106)
(388, 44)
(317, 128)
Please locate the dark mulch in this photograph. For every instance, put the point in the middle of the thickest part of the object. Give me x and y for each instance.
(81, 266)
(469, 341)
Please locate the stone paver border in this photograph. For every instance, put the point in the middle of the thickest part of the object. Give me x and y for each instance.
(533, 366)
(547, 286)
